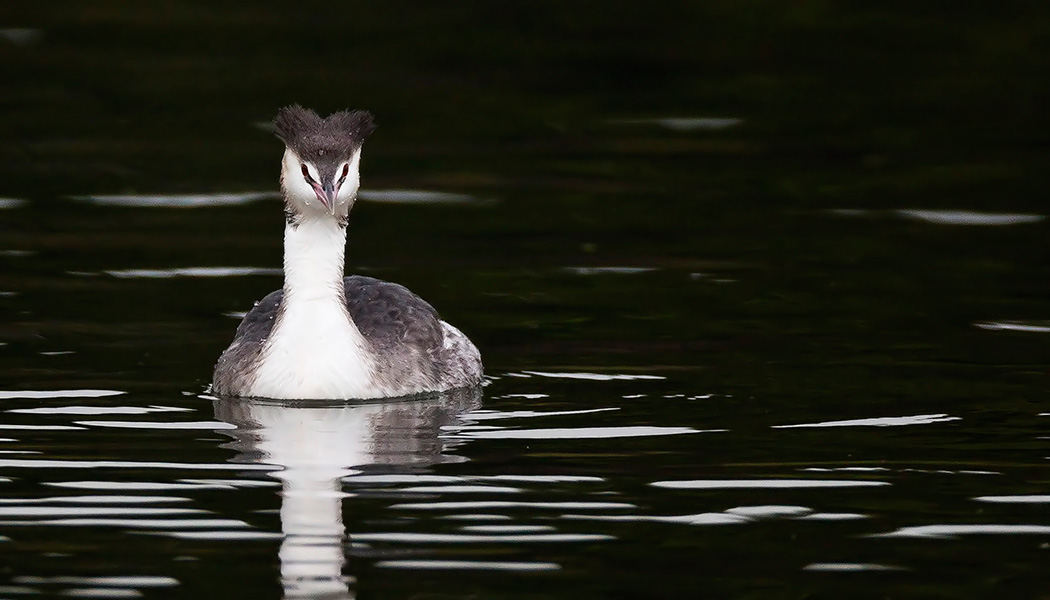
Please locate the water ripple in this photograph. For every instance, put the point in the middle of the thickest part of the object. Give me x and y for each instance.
(732, 516)
(686, 124)
(119, 580)
(233, 536)
(25, 427)
(460, 489)
(968, 217)
(458, 538)
(767, 511)
(507, 528)
(130, 464)
(134, 523)
(483, 415)
(204, 425)
(697, 519)
(961, 217)
(609, 270)
(1023, 326)
(951, 531)
(43, 394)
(475, 517)
(1030, 499)
(593, 376)
(177, 200)
(487, 504)
(831, 567)
(418, 197)
(97, 410)
(580, 433)
(467, 565)
(136, 485)
(191, 272)
(83, 511)
(752, 484)
(832, 517)
(94, 500)
(6, 203)
(877, 422)
(539, 478)
(402, 478)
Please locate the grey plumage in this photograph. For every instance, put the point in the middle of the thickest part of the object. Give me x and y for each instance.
(404, 332)
(234, 371)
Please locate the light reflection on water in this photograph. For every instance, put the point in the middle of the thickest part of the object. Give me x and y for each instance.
(876, 422)
(430, 509)
(315, 448)
(962, 217)
(177, 200)
(192, 272)
(42, 394)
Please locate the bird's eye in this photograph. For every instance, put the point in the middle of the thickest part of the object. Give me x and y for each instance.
(346, 171)
(306, 173)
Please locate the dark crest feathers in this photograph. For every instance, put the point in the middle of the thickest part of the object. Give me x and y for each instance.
(335, 137)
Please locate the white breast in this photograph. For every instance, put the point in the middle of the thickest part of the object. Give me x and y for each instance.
(314, 352)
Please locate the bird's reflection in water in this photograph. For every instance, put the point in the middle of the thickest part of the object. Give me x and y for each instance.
(316, 444)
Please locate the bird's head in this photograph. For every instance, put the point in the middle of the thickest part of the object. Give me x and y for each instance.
(319, 173)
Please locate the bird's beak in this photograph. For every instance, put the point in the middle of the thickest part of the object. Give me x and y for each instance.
(326, 195)
(329, 196)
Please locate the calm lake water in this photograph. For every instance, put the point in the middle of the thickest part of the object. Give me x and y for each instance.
(763, 293)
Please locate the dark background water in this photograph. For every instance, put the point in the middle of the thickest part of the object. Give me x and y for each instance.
(734, 216)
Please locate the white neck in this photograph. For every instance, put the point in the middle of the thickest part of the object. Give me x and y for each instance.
(315, 350)
(313, 259)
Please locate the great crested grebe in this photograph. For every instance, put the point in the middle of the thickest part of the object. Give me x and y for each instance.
(323, 336)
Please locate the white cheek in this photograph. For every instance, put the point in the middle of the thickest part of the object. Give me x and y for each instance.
(353, 179)
(295, 187)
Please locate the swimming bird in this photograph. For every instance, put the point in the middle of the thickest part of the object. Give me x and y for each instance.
(323, 336)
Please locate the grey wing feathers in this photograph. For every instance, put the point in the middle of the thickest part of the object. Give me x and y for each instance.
(390, 316)
(405, 333)
(258, 323)
(233, 369)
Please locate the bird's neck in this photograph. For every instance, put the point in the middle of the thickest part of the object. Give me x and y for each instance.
(313, 259)
(314, 350)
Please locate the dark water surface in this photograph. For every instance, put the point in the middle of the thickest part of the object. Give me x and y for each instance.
(763, 291)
